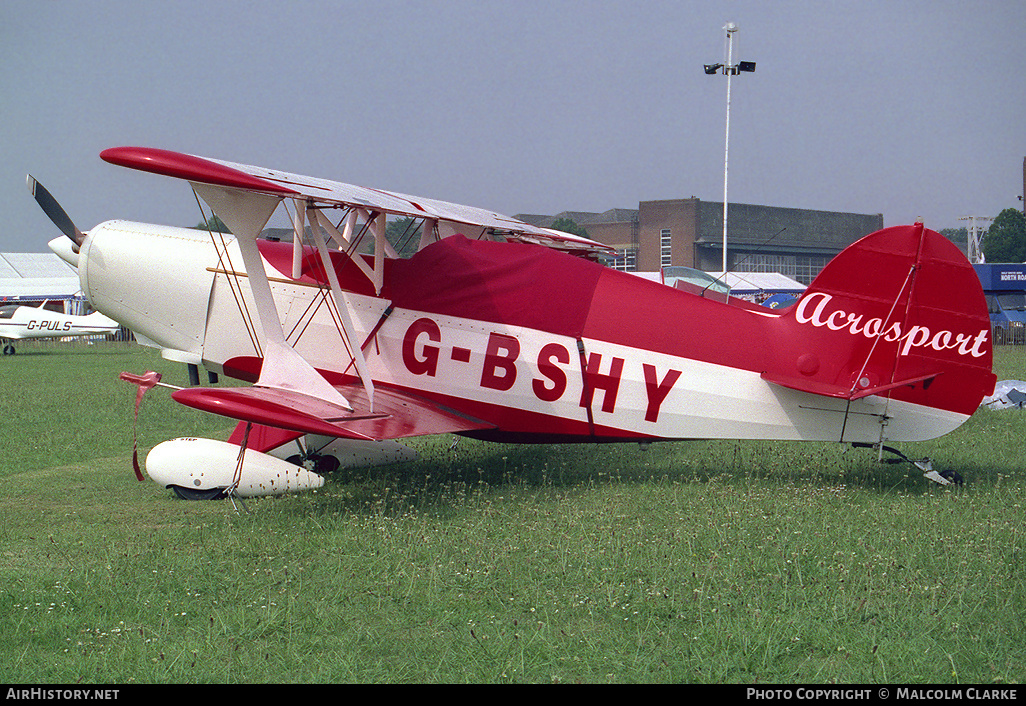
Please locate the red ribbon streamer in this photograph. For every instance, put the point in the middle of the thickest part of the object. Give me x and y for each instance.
(145, 383)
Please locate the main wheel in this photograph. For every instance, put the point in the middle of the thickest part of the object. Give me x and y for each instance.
(197, 494)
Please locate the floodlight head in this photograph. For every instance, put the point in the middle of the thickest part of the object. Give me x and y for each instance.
(713, 68)
(746, 66)
(730, 27)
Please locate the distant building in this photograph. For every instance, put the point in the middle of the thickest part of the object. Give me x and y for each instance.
(689, 232)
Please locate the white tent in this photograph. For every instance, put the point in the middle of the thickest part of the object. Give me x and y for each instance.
(761, 283)
(739, 283)
(34, 277)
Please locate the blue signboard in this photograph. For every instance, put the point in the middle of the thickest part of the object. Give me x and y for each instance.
(1002, 276)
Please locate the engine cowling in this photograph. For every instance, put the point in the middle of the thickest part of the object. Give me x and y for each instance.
(118, 268)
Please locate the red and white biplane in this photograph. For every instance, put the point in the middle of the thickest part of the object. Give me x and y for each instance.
(503, 331)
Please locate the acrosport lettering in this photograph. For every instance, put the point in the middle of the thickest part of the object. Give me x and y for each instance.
(814, 309)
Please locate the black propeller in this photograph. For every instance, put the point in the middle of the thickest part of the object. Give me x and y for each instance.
(57, 214)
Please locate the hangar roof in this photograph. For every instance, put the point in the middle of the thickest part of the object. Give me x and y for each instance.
(36, 276)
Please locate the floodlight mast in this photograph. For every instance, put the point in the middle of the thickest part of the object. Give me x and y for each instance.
(728, 69)
(973, 245)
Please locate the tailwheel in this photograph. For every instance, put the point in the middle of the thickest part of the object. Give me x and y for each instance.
(197, 493)
(924, 464)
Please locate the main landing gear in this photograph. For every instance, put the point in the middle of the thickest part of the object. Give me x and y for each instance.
(318, 463)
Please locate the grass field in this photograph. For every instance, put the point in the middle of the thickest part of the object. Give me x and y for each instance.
(679, 562)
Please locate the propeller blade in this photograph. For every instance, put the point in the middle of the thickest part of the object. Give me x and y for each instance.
(53, 209)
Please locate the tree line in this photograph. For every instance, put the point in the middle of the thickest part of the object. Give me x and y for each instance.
(1003, 241)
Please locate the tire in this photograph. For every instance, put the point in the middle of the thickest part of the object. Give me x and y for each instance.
(193, 494)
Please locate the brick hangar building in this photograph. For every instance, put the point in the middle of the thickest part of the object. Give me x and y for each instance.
(689, 232)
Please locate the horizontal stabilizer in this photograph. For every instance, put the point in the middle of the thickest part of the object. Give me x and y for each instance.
(842, 391)
(804, 385)
(910, 382)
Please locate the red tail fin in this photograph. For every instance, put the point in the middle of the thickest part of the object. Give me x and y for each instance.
(900, 314)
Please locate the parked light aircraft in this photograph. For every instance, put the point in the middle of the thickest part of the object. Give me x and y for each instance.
(18, 322)
(500, 330)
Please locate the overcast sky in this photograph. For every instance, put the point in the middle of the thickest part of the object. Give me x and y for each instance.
(909, 109)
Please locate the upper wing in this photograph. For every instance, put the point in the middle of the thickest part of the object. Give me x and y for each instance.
(283, 184)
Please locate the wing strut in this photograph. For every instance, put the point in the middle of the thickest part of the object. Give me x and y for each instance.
(345, 237)
(340, 305)
(245, 213)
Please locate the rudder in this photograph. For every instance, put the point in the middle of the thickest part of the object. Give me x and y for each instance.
(899, 314)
